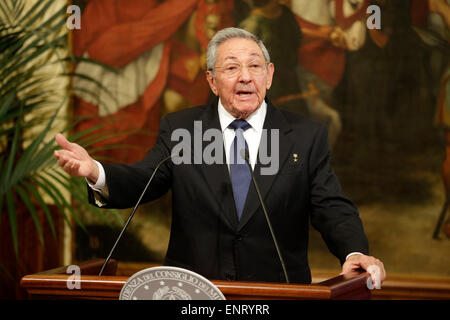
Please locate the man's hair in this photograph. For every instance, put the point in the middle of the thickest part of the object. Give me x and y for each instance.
(227, 34)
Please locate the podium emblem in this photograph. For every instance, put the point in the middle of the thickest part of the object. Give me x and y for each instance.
(169, 283)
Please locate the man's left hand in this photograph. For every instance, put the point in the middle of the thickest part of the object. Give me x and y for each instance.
(370, 264)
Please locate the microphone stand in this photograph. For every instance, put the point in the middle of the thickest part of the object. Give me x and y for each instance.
(132, 214)
(245, 155)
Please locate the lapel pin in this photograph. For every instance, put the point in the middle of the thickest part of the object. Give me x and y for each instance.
(295, 157)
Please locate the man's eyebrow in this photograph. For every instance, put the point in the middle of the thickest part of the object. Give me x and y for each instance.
(230, 58)
(255, 54)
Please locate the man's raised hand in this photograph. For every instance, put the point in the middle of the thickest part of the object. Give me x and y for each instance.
(75, 160)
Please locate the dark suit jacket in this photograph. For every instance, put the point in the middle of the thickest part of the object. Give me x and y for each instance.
(207, 237)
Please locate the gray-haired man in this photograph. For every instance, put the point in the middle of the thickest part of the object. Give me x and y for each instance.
(218, 226)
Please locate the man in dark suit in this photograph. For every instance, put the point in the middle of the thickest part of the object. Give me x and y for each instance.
(218, 227)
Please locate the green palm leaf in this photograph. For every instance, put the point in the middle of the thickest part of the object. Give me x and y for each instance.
(12, 220)
(30, 41)
(32, 210)
(34, 192)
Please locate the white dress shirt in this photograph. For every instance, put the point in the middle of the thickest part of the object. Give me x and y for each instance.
(252, 135)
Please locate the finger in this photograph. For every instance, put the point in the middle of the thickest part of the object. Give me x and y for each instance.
(63, 142)
(67, 166)
(346, 268)
(349, 266)
(383, 272)
(377, 281)
(63, 159)
(366, 261)
(61, 163)
(375, 274)
(67, 154)
(74, 169)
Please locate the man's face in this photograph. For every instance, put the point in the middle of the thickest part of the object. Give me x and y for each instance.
(242, 76)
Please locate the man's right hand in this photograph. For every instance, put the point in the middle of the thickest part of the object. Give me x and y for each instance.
(75, 160)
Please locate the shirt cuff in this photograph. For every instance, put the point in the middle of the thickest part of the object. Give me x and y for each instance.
(100, 188)
(101, 181)
(351, 254)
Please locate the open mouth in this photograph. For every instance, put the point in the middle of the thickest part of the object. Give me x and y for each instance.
(244, 93)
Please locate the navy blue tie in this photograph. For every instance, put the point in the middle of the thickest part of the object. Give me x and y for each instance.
(239, 170)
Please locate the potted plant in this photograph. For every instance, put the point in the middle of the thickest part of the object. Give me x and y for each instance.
(36, 68)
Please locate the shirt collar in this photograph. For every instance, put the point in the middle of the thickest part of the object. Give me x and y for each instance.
(256, 119)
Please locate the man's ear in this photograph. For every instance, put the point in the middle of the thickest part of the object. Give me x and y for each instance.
(270, 71)
(212, 82)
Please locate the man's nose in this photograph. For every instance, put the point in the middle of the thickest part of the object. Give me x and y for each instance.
(244, 74)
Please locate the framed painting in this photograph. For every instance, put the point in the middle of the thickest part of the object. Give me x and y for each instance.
(383, 93)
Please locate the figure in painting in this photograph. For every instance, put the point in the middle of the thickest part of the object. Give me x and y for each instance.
(134, 39)
(186, 86)
(276, 26)
(158, 49)
(330, 29)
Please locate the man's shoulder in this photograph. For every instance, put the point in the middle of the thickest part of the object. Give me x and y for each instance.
(300, 122)
(187, 112)
(186, 116)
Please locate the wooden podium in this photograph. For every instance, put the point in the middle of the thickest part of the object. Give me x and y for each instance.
(52, 284)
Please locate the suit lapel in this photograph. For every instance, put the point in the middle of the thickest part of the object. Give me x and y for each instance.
(216, 175)
(274, 120)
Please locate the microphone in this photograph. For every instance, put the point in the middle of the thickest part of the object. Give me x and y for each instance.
(245, 155)
(135, 208)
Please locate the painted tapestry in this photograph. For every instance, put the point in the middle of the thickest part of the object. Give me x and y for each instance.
(383, 93)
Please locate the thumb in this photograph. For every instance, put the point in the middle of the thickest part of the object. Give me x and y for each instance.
(348, 266)
(63, 142)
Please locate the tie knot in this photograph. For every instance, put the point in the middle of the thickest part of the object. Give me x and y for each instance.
(239, 124)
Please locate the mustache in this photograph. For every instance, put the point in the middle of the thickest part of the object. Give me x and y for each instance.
(245, 89)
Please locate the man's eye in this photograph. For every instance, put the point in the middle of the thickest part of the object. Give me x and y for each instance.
(231, 68)
(255, 66)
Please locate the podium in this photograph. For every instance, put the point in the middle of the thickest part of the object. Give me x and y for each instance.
(53, 284)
